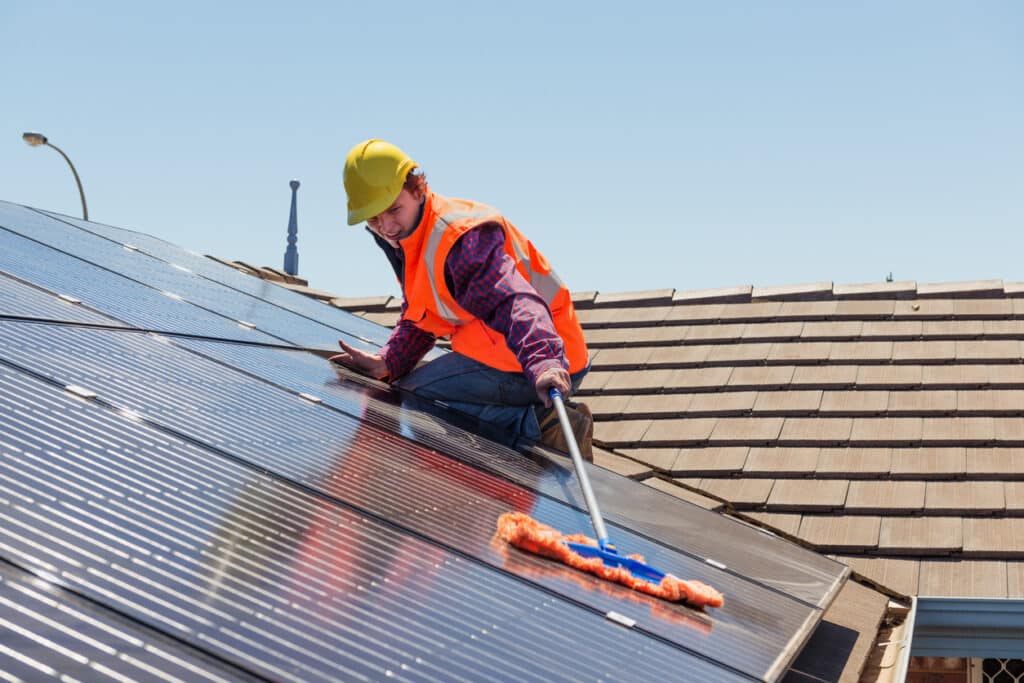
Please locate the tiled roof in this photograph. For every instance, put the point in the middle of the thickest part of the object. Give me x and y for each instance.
(881, 423)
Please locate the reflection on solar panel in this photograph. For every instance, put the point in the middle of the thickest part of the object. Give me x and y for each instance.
(231, 510)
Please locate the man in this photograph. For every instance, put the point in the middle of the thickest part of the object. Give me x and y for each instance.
(468, 273)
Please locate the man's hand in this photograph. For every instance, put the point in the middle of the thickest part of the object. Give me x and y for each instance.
(552, 377)
(369, 364)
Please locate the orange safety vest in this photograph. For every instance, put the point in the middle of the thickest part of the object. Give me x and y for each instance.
(432, 308)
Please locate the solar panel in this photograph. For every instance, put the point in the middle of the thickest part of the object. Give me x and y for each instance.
(47, 632)
(267, 576)
(400, 482)
(257, 510)
(162, 277)
(19, 299)
(807, 576)
(268, 293)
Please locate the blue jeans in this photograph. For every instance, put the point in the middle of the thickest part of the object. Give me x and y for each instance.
(503, 399)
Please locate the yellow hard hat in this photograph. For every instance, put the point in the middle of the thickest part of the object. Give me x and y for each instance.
(374, 174)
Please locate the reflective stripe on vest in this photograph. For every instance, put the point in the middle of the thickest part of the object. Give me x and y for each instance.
(548, 285)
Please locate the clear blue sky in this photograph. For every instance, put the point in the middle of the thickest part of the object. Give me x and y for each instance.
(640, 145)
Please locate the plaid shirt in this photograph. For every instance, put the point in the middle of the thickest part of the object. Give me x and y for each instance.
(484, 281)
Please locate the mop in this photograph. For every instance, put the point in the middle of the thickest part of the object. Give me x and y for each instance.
(599, 557)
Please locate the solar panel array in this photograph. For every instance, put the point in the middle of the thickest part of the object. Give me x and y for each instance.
(185, 497)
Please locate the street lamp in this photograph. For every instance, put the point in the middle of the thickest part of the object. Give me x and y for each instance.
(37, 139)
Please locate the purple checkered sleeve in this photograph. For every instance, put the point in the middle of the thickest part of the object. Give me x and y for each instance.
(485, 282)
(406, 346)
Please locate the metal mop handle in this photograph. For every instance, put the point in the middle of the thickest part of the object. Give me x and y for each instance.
(581, 473)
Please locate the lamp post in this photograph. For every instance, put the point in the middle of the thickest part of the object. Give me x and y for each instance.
(37, 139)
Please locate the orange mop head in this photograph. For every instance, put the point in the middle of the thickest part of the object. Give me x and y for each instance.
(526, 533)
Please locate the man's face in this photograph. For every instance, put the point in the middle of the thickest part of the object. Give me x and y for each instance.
(399, 220)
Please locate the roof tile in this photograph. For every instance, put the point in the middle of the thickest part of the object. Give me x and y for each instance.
(656, 458)
(832, 329)
(920, 402)
(812, 290)
(715, 333)
(781, 461)
(952, 578)
(723, 403)
(995, 462)
(741, 293)
(989, 350)
(699, 378)
(870, 351)
(928, 463)
(799, 352)
(778, 521)
(952, 329)
(621, 466)
(680, 431)
(807, 310)
(854, 402)
(825, 376)
(739, 354)
(841, 534)
(679, 355)
(921, 535)
(628, 358)
(886, 496)
(854, 462)
(975, 288)
(864, 310)
(595, 380)
(923, 351)
(1010, 429)
(1002, 328)
(808, 494)
(648, 297)
(1015, 580)
(635, 380)
(659, 405)
(821, 431)
(619, 336)
(695, 313)
(889, 376)
(956, 375)
(683, 494)
(885, 431)
(754, 310)
(958, 430)
(759, 377)
(924, 308)
(740, 492)
(877, 290)
(772, 331)
(898, 575)
(994, 536)
(714, 460)
(891, 329)
(1014, 491)
(625, 432)
(958, 497)
(583, 299)
(611, 407)
(788, 402)
(731, 430)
